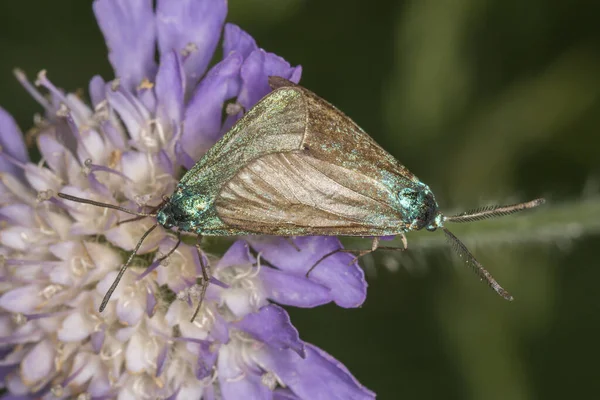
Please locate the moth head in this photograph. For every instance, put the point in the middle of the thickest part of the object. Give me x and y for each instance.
(419, 208)
(181, 211)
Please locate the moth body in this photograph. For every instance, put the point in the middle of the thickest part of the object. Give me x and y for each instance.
(295, 165)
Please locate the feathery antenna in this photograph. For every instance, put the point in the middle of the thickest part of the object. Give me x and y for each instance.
(106, 205)
(139, 215)
(494, 211)
(462, 250)
(124, 268)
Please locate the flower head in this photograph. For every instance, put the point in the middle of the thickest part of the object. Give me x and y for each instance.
(128, 146)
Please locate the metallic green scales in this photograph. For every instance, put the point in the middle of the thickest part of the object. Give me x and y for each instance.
(295, 165)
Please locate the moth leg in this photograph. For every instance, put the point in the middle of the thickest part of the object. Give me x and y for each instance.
(340, 250)
(205, 279)
(374, 246)
(234, 108)
(361, 253)
(163, 258)
(291, 242)
(375, 243)
(129, 220)
(404, 241)
(323, 258)
(152, 209)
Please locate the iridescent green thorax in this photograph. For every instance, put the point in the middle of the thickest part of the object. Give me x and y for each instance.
(182, 210)
(419, 207)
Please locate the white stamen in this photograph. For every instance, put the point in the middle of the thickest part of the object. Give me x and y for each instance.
(107, 354)
(189, 49)
(57, 391)
(205, 318)
(22, 78)
(80, 265)
(153, 136)
(41, 76)
(114, 85)
(18, 318)
(237, 378)
(269, 379)
(63, 111)
(151, 347)
(101, 111)
(141, 388)
(44, 195)
(49, 291)
(234, 108)
(182, 295)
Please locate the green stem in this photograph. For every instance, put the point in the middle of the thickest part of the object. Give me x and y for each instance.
(550, 222)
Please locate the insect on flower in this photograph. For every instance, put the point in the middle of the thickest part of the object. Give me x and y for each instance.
(294, 165)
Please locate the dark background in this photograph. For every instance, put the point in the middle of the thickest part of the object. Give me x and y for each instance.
(486, 101)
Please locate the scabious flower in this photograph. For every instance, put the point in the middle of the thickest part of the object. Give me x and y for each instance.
(128, 147)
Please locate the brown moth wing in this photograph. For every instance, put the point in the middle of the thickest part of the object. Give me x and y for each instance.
(292, 194)
(333, 137)
(277, 123)
(339, 181)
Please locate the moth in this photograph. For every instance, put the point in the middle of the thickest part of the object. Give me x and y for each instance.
(294, 165)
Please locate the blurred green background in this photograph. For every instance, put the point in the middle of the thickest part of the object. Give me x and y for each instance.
(487, 102)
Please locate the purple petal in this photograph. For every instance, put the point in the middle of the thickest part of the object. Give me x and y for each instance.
(151, 303)
(183, 158)
(129, 30)
(237, 383)
(114, 135)
(191, 27)
(318, 376)
(255, 73)
(163, 160)
(19, 214)
(11, 140)
(97, 90)
(174, 395)
(7, 369)
(131, 111)
(160, 360)
(238, 40)
(75, 328)
(288, 289)
(237, 254)
(271, 325)
(38, 364)
(170, 87)
(130, 311)
(11, 137)
(22, 299)
(145, 92)
(206, 361)
(284, 394)
(97, 340)
(203, 114)
(220, 329)
(347, 282)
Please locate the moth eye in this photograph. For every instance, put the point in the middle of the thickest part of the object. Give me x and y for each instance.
(408, 193)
